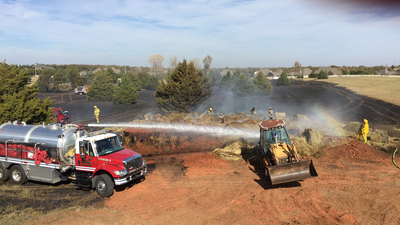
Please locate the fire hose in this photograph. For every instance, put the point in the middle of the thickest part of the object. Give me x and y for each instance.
(393, 159)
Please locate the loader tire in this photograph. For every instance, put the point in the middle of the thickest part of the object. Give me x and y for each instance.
(104, 186)
(4, 173)
(17, 175)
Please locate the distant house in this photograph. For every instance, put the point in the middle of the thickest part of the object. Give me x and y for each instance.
(42, 66)
(117, 71)
(97, 70)
(225, 71)
(335, 71)
(387, 72)
(82, 73)
(273, 75)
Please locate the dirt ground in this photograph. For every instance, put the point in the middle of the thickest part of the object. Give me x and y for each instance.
(357, 184)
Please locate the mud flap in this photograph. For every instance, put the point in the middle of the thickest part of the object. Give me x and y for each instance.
(291, 172)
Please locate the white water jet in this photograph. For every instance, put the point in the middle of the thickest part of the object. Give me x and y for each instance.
(210, 130)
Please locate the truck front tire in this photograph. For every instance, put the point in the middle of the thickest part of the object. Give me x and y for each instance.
(4, 173)
(17, 175)
(104, 186)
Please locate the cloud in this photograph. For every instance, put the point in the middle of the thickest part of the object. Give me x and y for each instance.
(255, 33)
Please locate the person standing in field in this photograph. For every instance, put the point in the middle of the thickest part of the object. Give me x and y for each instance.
(271, 113)
(364, 129)
(96, 113)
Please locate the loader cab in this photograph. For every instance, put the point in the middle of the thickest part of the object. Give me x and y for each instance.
(281, 136)
(269, 130)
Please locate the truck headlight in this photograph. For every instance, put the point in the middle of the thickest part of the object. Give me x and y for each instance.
(121, 173)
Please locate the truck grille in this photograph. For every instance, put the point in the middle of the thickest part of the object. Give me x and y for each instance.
(133, 163)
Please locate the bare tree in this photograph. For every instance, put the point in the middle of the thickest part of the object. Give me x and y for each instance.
(297, 64)
(173, 62)
(196, 63)
(207, 63)
(156, 62)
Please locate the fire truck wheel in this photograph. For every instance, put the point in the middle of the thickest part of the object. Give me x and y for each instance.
(104, 186)
(17, 175)
(4, 173)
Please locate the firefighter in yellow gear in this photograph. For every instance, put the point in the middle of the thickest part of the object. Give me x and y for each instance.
(210, 112)
(96, 113)
(364, 129)
(271, 113)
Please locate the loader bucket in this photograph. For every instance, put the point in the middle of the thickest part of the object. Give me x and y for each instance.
(285, 173)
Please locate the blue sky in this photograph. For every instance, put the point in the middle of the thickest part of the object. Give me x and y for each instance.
(235, 33)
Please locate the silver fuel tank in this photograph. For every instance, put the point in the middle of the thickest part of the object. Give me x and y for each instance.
(55, 139)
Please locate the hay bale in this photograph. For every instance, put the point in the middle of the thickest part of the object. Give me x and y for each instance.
(353, 127)
(237, 150)
(280, 115)
(191, 121)
(234, 124)
(393, 132)
(218, 120)
(388, 148)
(205, 120)
(313, 138)
(305, 149)
(378, 136)
(299, 117)
(227, 119)
(156, 117)
(231, 152)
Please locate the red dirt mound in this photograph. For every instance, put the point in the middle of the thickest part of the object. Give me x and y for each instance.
(354, 150)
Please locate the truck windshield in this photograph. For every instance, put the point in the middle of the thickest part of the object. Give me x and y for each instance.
(108, 145)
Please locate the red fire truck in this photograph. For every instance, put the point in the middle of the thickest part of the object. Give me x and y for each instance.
(53, 153)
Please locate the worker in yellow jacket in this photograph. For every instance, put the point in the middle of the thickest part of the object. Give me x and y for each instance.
(363, 131)
(96, 113)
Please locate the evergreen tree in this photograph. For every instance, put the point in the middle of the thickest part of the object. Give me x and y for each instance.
(102, 88)
(59, 79)
(125, 93)
(74, 77)
(313, 74)
(262, 84)
(283, 79)
(153, 83)
(226, 82)
(183, 90)
(18, 101)
(43, 81)
(134, 79)
(112, 75)
(243, 86)
(322, 75)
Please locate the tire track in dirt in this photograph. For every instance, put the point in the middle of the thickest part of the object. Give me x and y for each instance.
(371, 106)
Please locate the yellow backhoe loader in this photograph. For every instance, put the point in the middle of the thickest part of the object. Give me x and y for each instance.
(278, 155)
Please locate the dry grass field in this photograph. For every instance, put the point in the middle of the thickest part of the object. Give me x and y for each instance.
(382, 88)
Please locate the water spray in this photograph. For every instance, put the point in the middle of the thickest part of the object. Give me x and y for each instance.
(211, 130)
